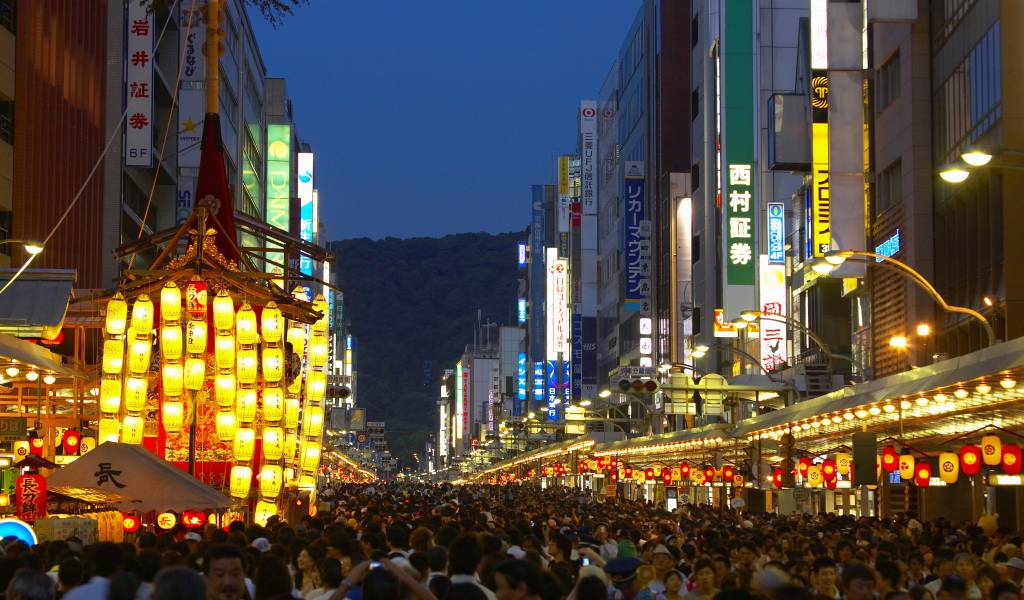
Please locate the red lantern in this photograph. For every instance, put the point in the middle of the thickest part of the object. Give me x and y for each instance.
(71, 441)
(805, 463)
(130, 523)
(195, 299)
(627, 472)
(35, 445)
(613, 476)
(970, 459)
(193, 519)
(614, 464)
(1011, 459)
(828, 469)
(649, 474)
(666, 476)
(709, 473)
(30, 496)
(777, 478)
(728, 472)
(684, 470)
(890, 459)
(831, 483)
(923, 474)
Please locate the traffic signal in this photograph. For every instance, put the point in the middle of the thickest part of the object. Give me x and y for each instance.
(638, 386)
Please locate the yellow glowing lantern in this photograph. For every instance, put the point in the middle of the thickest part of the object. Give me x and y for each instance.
(320, 306)
(291, 413)
(173, 379)
(170, 302)
(906, 466)
(263, 512)
(310, 458)
(317, 352)
(291, 444)
(113, 356)
(224, 351)
(171, 342)
(307, 482)
(273, 404)
(295, 387)
(108, 429)
(139, 353)
(313, 421)
(223, 311)
(814, 478)
(142, 314)
(244, 444)
(225, 425)
(245, 326)
(272, 323)
(135, 393)
(273, 443)
(20, 449)
(289, 474)
(196, 341)
(949, 467)
(131, 429)
(86, 444)
(273, 365)
(316, 386)
(991, 450)
(246, 367)
(224, 385)
(245, 404)
(843, 463)
(110, 396)
(241, 479)
(166, 520)
(271, 478)
(117, 315)
(173, 415)
(195, 373)
(297, 338)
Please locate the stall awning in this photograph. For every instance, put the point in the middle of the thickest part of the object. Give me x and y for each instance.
(144, 479)
(17, 350)
(35, 304)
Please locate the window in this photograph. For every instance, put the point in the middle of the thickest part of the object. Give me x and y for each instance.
(695, 176)
(695, 31)
(890, 184)
(695, 249)
(695, 103)
(888, 84)
(969, 102)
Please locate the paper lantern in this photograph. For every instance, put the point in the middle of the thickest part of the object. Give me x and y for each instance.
(193, 519)
(241, 480)
(890, 460)
(313, 421)
(271, 323)
(737, 480)
(1011, 459)
(30, 496)
(139, 352)
(291, 445)
(317, 352)
(195, 374)
(828, 469)
(777, 478)
(20, 449)
(173, 379)
(271, 478)
(71, 441)
(676, 475)
(223, 311)
(173, 413)
(245, 404)
(273, 365)
(166, 520)
(949, 467)
(814, 476)
(244, 444)
(245, 326)
(130, 523)
(699, 477)
(196, 337)
(804, 466)
(684, 470)
(666, 476)
(86, 445)
(171, 342)
(273, 443)
(246, 367)
(195, 299)
(110, 396)
(109, 429)
(291, 413)
(831, 483)
(142, 314)
(906, 467)
(117, 315)
(113, 356)
(709, 473)
(131, 429)
(627, 472)
(320, 306)
(36, 445)
(728, 472)
(170, 302)
(307, 482)
(970, 459)
(649, 474)
(224, 384)
(311, 457)
(923, 474)
(842, 463)
(225, 425)
(316, 386)
(224, 351)
(991, 450)
(297, 338)
(263, 512)
(135, 393)
(273, 404)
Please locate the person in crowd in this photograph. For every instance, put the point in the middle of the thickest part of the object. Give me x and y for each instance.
(223, 566)
(179, 583)
(106, 561)
(705, 587)
(30, 584)
(518, 580)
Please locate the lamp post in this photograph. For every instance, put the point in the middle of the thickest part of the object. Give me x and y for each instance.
(31, 247)
(976, 157)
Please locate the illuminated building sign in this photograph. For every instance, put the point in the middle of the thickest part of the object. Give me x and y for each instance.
(636, 231)
(521, 377)
(776, 233)
(821, 210)
(521, 310)
(538, 381)
(552, 390)
(278, 185)
(557, 306)
(521, 255)
(774, 307)
(460, 405)
(890, 247)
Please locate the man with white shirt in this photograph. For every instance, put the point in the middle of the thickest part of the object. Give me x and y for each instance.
(463, 559)
(107, 560)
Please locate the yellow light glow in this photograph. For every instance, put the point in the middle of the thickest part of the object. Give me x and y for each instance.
(173, 378)
(291, 444)
(225, 386)
(110, 396)
(898, 341)
(273, 366)
(273, 404)
(244, 444)
(923, 329)
(224, 351)
(905, 404)
(171, 342)
(245, 326)
(226, 426)
(173, 415)
(131, 429)
(245, 404)
(273, 443)
(246, 367)
(306, 482)
(961, 393)
(140, 351)
(170, 302)
(113, 358)
(271, 478)
(196, 338)
(983, 388)
(142, 314)
(241, 481)
(837, 419)
(195, 373)
(117, 315)
(849, 416)
(874, 411)
(297, 338)
(861, 413)
(263, 512)
(223, 311)
(320, 306)
(313, 421)
(317, 352)
(954, 174)
(316, 386)
(922, 401)
(310, 456)
(272, 323)
(291, 413)
(1008, 383)
(109, 429)
(135, 393)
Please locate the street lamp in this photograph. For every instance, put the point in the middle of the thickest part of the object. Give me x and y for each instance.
(954, 173)
(604, 393)
(975, 157)
(898, 341)
(751, 315)
(30, 246)
(923, 329)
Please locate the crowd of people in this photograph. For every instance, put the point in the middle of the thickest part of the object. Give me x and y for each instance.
(439, 542)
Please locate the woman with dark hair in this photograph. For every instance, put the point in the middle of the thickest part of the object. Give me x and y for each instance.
(272, 579)
(305, 562)
(329, 574)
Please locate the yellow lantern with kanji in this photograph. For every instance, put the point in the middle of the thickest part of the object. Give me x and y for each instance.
(949, 467)
(223, 311)
(273, 443)
(320, 306)
(245, 404)
(173, 379)
(843, 461)
(291, 413)
(166, 520)
(273, 365)
(135, 393)
(271, 323)
(271, 478)
(142, 314)
(110, 396)
(246, 368)
(20, 449)
(139, 353)
(309, 459)
(245, 326)
(241, 480)
(171, 342)
(224, 351)
(170, 302)
(244, 444)
(195, 373)
(313, 421)
(317, 352)
(173, 412)
(224, 385)
(814, 479)
(113, 356)
(297, 338)
(316, 386)
(273, 404)
(263, 512)
(225, 425)
(86, 444)
(906, 466)
(117, 315)
(196, 339)
(131, 429)
(991, 450)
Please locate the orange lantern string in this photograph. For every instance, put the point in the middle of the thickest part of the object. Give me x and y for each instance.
(828, 469)
(890, 460)
(923, 474)
(970, 459)
(728, 472)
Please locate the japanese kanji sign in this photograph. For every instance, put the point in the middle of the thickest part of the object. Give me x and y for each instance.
(774, 308)
(191, 104)
(636, 231)
(30, 496)
(138, 87)
(557, 307)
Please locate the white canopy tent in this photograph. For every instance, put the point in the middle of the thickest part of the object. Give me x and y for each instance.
(134, 473)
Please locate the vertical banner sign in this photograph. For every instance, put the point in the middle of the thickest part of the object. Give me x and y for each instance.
(553, 373)
(774, 307)
(563, 206)
(521, 310)
(557, 306)
(537, 274)
(521, 255)
(191, 106)
(304, 189)
(821, 209)
(636, 231)
(466, 387)
(739, 203)
(577, 357)
(521, 384)
(776, 233)
(138, 87)
(30, 496)
(587, 192)
(589, 369)
(538, 381)
(459, 405)
(279, 139)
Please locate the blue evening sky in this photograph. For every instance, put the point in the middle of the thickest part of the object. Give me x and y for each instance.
(431, 117)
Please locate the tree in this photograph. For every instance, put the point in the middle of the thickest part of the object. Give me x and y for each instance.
(274, 11)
